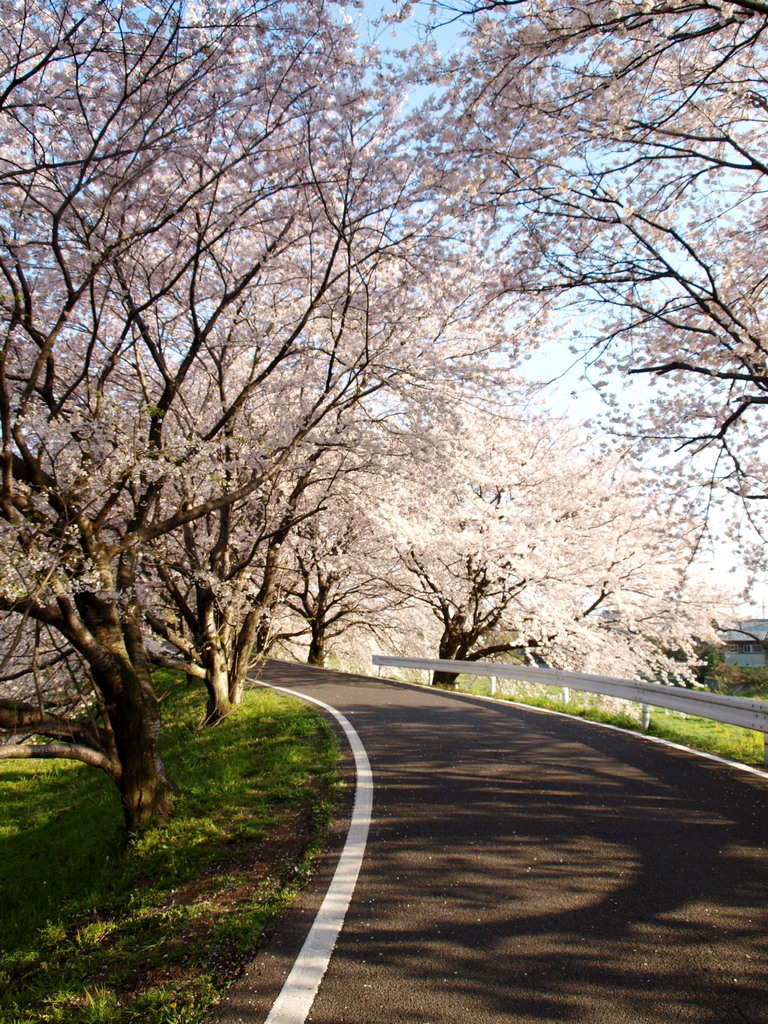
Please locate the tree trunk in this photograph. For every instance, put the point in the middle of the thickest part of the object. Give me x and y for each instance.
(226, 659)
(316, 654)
(121, 673)
(452, 648)
(447, 680)
(244, 645)
(262, 641)
(217, 679)
(266, 599)
(144, 785)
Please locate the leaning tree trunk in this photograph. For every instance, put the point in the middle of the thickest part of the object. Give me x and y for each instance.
(121, 673)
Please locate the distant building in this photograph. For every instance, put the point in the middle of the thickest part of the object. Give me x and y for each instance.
(747, 645)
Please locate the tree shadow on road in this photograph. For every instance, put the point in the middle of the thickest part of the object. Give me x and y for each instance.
(532, 868)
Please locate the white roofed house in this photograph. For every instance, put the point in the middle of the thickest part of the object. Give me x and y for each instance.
(747, 644)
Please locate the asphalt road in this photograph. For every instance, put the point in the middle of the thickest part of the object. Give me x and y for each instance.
(532, 868)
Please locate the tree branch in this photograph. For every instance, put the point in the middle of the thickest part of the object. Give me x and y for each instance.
(65, 751)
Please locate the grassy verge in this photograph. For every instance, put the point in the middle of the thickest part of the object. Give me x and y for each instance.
(93, 932)
(727, 741)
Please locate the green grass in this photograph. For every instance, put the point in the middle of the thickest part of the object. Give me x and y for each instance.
(740, 681)
(727, 741)
(714, 737)
(96, 931)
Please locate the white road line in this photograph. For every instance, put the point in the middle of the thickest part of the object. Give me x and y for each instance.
(300, 987)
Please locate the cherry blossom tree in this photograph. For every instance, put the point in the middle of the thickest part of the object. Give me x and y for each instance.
(217, 243)
(387, 311)
(621, 148)
(337, 585)
(155, 161)
(523, 540)
(217, 582)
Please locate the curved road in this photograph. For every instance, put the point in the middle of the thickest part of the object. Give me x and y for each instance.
(526, 867)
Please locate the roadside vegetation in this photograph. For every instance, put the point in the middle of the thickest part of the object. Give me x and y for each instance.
(738, 680)
(94, 930)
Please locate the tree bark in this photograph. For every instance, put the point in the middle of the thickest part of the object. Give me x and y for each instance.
(446, 680)
(450, 649)
(316, 654)
(217, 682)
(244, 646)
(144, 783)
(122, 676)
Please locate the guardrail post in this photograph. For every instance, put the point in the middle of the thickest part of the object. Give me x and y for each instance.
(566, 695)
(765, 748)
(493, 685)
(646, 720)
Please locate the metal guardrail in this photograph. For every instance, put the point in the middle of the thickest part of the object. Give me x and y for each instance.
(741, 711)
